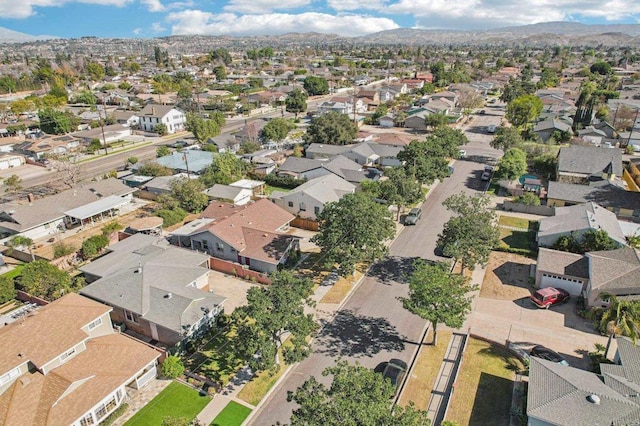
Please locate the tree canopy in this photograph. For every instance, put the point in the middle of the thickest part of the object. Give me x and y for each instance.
(296, 102)
(225, 169)
(277, 129)
(42, 279)
(470, 236)
(188, 193)
(400, 189)
(592, 240)
(512, 165)
(357, 396)
(271, 312)
(506, 138)
(437, 295)
(523, 110)
(203, 128)
(56, 122)
(353, 229)
(331, 128)
(316, 85)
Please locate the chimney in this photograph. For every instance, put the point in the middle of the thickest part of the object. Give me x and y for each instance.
(30, 197)
(153, 110)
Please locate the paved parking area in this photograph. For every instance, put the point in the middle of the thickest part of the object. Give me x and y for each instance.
(234, 289)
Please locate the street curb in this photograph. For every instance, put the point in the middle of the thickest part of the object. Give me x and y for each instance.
(414, 358)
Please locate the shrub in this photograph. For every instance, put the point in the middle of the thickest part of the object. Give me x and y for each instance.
(171, 217)
(62, 249)
(7, 289)
(288, 182)
(92, 246)
(528, 199)
(172, 367)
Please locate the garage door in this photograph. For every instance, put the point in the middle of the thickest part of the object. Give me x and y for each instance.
(573, 286)
(15, 162)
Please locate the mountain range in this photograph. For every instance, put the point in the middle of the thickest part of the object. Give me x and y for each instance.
(10, 36)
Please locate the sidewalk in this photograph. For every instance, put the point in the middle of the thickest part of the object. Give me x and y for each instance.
(225, 396)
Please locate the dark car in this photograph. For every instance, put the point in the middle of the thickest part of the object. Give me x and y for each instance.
(395, 371)
(546, 297)
(413, 216)
(542, 352)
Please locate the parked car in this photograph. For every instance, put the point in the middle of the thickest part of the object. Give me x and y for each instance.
(491, 128)
(331, 279)
(542, 352)
(413, 216)
(486, 176)
(463, 153)
(549, 296)
(395, 371)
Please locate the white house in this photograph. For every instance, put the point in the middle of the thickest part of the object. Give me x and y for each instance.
(152, 115)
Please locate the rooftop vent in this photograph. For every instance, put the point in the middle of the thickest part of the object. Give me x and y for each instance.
(168, 296)
(594, 399)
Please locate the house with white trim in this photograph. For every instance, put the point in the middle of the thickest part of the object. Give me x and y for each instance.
(154, 114)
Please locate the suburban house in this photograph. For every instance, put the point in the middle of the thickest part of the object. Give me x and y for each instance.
(108, 134)
(253, 235)
(308, 200)
(577, 220)
(225, 142)
(364, 153)
(9, 160)
(387, 121)
(545, 129)
(320, 151)
(610, 195)
(559, 395)
(83, 204)
(126, 118)
(160, 185)
(157, 291)
(65, 365)
(585, 164)
(592, 135)
(186, 161)
(228, 193)
(153, 114)
(610, 271)
(307, 168)
(47, 145)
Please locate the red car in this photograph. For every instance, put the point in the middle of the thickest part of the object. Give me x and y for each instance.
(548, 296)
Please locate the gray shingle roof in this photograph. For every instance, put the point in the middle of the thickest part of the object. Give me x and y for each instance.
(589, 160)
(325, 189)
(615, 269)
(604, 193)
(563, 263)
(299, 165)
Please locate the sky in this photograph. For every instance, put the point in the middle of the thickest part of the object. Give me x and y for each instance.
(155, 18)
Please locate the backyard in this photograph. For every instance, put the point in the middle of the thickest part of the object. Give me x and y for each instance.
(518, 234)
(176, 400)
(483, 390)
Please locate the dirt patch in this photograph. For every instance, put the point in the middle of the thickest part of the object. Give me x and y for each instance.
(506, 277)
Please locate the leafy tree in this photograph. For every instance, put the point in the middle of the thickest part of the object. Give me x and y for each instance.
(60, 249)
(248, 146)
(42, 279)
(271, 312)
(22, 241)
(7, 289)
(600, 67)
(93, 245)
(162, 151)
(161, 129)
(220, 72)
(224, 169)
(13, 183)
(172, 367)
(131, 161)
(202, 128)
(437, 295)
(56, 122)
(353, 229)
(296, 102)
(277, 129)
(470, 236)
(86, 97)
(20, 106)
(188, 193)
(436, 120)
(331, 128)
(470, 99)
(506, 138)
(523, 110)
(621, 317)
(95, 71)
(528, 199)
(592, 240)
(171, 216)
(513, 164)
(316, 85)
(356, 396)
(399, 189)
(154, 169)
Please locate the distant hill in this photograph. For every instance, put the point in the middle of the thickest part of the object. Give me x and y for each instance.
(10, 36)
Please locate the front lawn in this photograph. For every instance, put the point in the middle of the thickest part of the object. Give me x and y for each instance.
(483, 391)
(517, 222)
(15, 272)
(176, 400)
(522, 242)
(217, 360)
(232, 415)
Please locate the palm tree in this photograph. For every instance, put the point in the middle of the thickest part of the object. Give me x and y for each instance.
(22, 241)
(622, 317)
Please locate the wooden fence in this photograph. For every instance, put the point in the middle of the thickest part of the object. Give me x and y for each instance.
(236, 269)
(308, 224)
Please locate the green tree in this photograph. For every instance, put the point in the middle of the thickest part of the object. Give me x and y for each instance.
(56, 122)
(92, 246)
(86, 97)
(528, 199)
(437, 295)
(277, 129)
(597, 240)
(512, 165)
(20, 241)
(202, 128)
(220, 72)
(470, 236)
(428, 160)
(436, 120)
(42, 279)
(331, 128)
(153, 169)
(356, 396)
(131, 161)
(13, 183)
(353, 229)
(523, 110)
(7, 289)
(621, 317)
(506, 138)
(172, 367)
(188, 193)
(270, 313)
(296, 102)
(160, 129)
(600, 67)
(162, 151)
(20, 106)
(316, 85)
(400, 189)
(95, 71)
(224, 169)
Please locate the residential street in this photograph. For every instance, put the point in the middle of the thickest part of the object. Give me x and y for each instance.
(372, 326)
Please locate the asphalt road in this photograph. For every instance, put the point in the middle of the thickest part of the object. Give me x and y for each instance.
(373, 327)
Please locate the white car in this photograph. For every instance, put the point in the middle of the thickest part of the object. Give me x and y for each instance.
(463, 153)
(491, 128)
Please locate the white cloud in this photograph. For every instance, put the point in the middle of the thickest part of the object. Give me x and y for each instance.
(465, 14)
(356, 4)
(137, 31)
(19, 9)
(200, 22)
(157, 27)
(263, 6)
(153, 5)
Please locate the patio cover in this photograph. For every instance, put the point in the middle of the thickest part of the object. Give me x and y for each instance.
(95, 208)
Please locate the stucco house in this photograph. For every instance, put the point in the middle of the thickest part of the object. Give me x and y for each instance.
(585, 164)
(156, 290)
(65, 365)
(610, 195)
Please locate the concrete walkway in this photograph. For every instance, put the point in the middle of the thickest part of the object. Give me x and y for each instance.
(227, 394)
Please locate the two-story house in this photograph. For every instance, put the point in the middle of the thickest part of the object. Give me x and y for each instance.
(65, 365)
(153, 114)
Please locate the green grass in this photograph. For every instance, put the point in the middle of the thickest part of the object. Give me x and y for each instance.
(15, 272)
(521, 240)
(483, 389)
(232, 415)
(176, 400)
(269, 189)
(516, 222)
(217, 360)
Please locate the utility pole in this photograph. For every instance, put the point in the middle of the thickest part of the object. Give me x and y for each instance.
(633, 125)
(104, 139)
(186, 162)
(355, 121)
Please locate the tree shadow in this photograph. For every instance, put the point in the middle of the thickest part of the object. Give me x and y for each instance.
(514, 274)
(393, 269)
(492, 402)
(352, 335)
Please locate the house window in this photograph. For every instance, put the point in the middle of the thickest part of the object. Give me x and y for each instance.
(130, 316)
(316, 210)
(65, 356)
(94, 324)
(303, 207)
(87, 420)
(6, 378)
(105, 408)
(219, 246)
(290, 203)
(205, 245)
